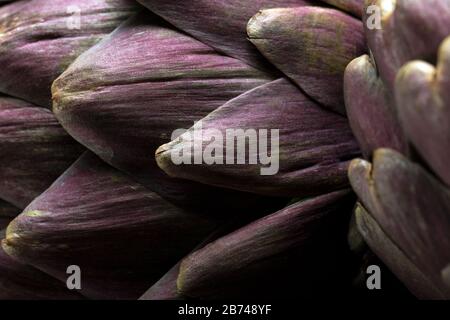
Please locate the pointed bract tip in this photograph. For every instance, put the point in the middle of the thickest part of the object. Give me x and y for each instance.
(359, 62)
(358, 165)
(254, 24)
(387, 7)
(444, 50)
(181, 276)
(383, 155)
(163, 157)
(12, 239)
(262, 20)
(414, 74)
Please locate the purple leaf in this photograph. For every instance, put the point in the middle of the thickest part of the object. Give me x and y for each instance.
(400, 40)
(313, 152)
(371, 110)
(423, 102)
(22, 282)
(415, 280)
(219, 23)
(271, 257)
(312, 46)
(411, 206)
(124, 97)
(34, 148)
(40, 38)
(352, 6)
(122, 236)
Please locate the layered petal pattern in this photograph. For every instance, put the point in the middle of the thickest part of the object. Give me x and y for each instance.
(307, 154)
(122, 236)
(416, 281)
(394, 35)
(355, 7)
(371, 110)
(132, 91)
(411, 206)
(423, 101)
(219, 23)
(273, 255)
(39, 39)
(312, 46)
(35, 150)
(22, 282)
(221, 139)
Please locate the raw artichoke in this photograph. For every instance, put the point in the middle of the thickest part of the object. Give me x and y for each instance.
(101, 107)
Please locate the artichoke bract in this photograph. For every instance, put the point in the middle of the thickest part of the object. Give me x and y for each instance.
(415, 280)
(405, 198)
(23, 282)
(39, 39)
(370, 109)
(219, 23)
(399, 40)
(353, 6)
(399, 194)
(165, 288)
(423, 101)
(312, 46)
(148, 80)
(275, 256)
(127, 95)
(35, 150)
(122, 236)
(314, 145)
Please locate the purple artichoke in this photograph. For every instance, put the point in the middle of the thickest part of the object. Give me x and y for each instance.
(222, 143)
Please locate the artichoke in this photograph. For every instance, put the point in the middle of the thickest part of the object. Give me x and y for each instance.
(118, 155)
